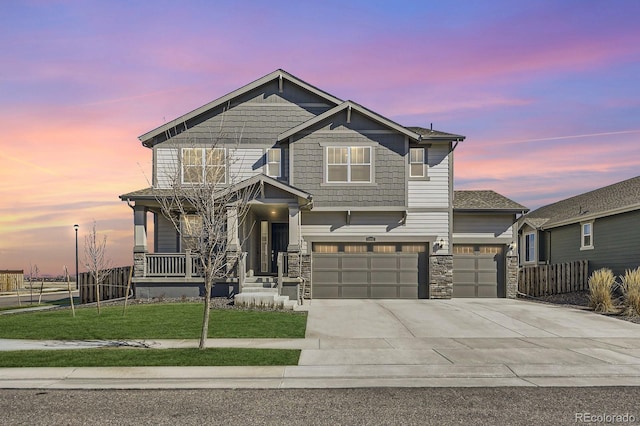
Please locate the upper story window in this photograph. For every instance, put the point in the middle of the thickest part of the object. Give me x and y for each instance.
(274, 162)
(416, 162)
(204, 165)
(349, 164)
(586, 241)
(530, 247)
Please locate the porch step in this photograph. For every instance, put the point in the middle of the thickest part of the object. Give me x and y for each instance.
(255, 289)
(266, 282)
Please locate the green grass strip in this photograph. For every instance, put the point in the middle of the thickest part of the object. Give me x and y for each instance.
(153, 321)
(121, 357)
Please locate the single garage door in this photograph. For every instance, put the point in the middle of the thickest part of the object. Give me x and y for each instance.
(478, 271)
(369, 271)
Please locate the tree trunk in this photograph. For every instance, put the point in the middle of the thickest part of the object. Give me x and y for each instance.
(207, 306)
(97, 293)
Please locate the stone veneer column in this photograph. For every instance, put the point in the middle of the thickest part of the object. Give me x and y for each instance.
(512, 277)
(293, 264)
(138, 264)
(306, 274)
(441, 276)
(139, 240)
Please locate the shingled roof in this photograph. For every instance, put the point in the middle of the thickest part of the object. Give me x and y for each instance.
(485, 200)
(617, 198)
(434, 134)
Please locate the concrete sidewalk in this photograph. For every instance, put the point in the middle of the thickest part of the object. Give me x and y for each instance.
(392, 343)
(365, 363)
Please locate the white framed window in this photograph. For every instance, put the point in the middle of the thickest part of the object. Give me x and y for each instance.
(586, 238)
(530, 247)
(204, 165)
(274, 162)
(191, 231)
(349, 164)
(416, 162)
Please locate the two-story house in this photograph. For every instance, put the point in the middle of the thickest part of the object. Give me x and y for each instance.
(360, 206)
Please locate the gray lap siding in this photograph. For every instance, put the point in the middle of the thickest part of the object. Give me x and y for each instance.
(388, 187)
(616, 243)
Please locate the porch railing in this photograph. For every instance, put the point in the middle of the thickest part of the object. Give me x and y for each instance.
(171, 265)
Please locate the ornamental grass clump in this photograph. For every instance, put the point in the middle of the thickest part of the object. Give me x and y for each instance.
(631, 291)
(600, 285)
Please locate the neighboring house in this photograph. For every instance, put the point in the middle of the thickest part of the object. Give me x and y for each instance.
(361, 206)
(601, 226)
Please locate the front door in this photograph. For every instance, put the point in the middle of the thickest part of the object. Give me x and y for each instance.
(279, 242)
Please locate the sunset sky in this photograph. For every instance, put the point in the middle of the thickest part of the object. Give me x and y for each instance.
(547, 93)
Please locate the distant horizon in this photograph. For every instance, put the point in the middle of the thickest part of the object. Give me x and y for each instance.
(546, 93)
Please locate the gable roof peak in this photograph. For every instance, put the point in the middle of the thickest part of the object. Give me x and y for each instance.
(357, 107)
(147, 139)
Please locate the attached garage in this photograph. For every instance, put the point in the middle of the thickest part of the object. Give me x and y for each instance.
(369, 271)
(478, 270)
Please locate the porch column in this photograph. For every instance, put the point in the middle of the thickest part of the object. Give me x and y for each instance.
(294, 228)
(233, 242)
(139, 240)
(293, 247)
(140, 229)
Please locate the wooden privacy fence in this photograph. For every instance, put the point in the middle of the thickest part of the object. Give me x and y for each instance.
(11, 280)
(114, 285)
(543, 280)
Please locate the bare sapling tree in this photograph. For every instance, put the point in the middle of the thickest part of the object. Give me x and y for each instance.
(95, 259)
(66, 277)
(31, 281)
(202, 199)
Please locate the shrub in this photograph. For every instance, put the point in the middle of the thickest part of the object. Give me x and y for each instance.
(600, 285)
(631, 291)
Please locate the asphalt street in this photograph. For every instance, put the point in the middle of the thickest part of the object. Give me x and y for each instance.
(389, 406)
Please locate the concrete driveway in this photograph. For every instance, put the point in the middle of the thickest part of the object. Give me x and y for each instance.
(458, 318)
(512, 342)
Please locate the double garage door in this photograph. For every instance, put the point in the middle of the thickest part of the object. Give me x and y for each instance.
(369, 271)
(478, 271)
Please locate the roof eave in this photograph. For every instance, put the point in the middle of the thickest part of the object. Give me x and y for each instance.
(442, 138)
(490, 210)
(589, 217)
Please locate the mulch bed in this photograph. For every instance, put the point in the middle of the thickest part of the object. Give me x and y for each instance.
(580, 300)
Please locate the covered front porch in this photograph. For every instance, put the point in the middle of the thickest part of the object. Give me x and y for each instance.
(260, 246)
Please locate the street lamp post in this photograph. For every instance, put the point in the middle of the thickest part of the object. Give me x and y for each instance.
(76, 228)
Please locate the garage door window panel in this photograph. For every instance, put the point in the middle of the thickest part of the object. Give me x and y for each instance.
(355, 248)
(384, 248)
(325, 248)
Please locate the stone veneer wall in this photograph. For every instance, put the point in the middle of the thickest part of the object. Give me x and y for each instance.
(293, 264)
(441, 277)
(305, 288)
(512, 277)
(138, 264)
(296, 261)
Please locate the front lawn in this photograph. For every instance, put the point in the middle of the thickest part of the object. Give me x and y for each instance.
(120, 357)
(153, 321)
